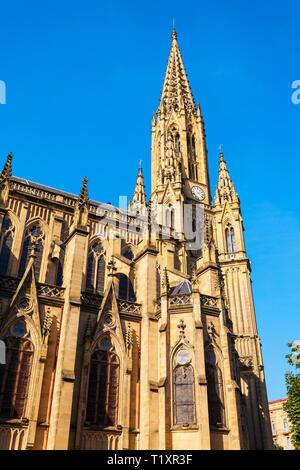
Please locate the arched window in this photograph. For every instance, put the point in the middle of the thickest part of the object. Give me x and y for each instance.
(183, 386)
(6, 241)
(169, 216)
(95, 276)
(126, 291)
(15, 374)
(215, 393)
(32, 233)
(230, 239)
(102, 403)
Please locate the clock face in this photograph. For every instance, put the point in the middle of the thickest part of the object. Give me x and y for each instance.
(198, 193)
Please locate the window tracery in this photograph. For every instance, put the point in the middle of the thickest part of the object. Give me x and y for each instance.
(33, 233)
(95, 277)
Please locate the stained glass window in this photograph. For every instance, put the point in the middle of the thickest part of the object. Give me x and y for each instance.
(184, 400)
(15, 374)
(102, 403)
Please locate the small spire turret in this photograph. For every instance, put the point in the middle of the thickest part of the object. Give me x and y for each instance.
(139, 196)
(225, 190)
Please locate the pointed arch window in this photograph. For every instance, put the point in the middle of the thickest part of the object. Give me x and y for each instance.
(103, 391)
(95, 276)
(15, 373)
(169, 212)
(32, 233)
(230, 239)
(126, 291)
(6, 241)
(184, 390)
(215, 392)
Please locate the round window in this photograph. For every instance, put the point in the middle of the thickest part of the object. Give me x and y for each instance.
(183, 356)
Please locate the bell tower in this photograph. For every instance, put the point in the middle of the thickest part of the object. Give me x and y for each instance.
(179, 153)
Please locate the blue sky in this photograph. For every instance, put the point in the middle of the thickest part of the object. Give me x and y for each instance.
(83, 79)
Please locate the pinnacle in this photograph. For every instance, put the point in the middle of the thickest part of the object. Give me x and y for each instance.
(139, 196)
(6, 172)
(225, 190)
(83, 196)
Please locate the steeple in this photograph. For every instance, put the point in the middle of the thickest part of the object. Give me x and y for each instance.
(225, 190)
(179, 154)
(176, 89)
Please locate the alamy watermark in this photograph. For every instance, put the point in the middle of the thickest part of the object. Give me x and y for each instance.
(2, 92)
(158, 221)
(296, 94)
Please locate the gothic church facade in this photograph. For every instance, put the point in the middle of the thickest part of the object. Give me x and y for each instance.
(119, 336)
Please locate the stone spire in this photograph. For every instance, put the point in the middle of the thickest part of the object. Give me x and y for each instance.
(139, 195)
(176, 89)
(225, 190)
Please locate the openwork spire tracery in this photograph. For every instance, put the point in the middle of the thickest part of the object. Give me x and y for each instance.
(176, 89)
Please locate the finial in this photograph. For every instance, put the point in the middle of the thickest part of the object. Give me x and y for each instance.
(174, 33)
(221, 153)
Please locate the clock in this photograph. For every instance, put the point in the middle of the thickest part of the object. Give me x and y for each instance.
(198, 193)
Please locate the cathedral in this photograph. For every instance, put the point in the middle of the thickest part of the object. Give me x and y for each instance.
(131, 328)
